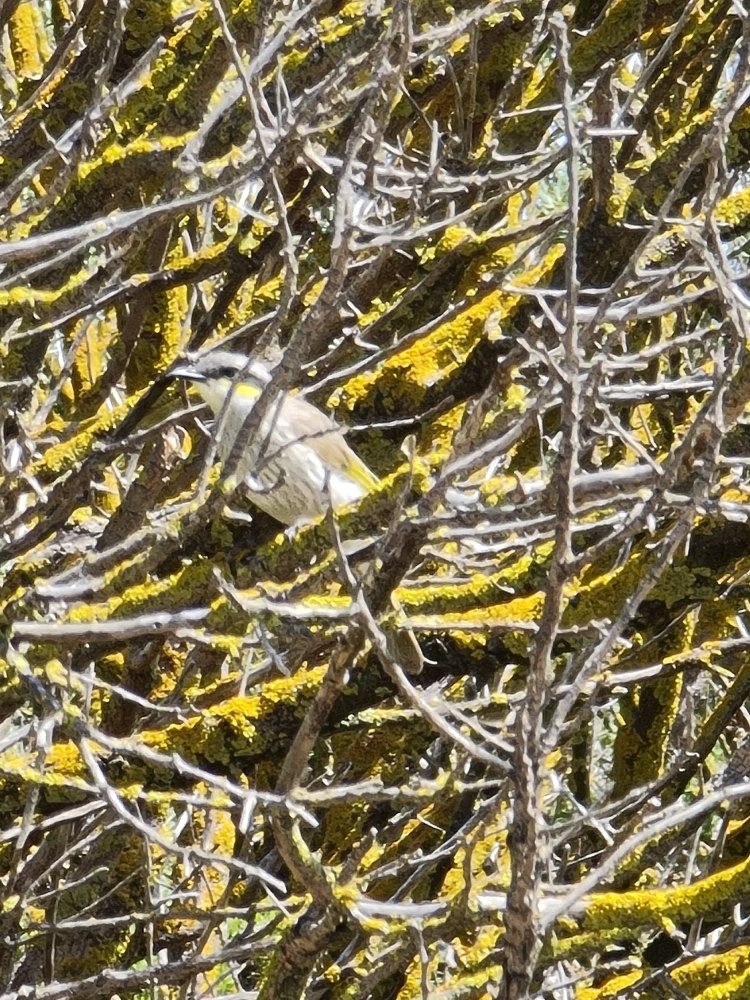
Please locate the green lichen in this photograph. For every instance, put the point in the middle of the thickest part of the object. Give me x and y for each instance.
(28, 40)
(66, 455)
(615, 987)
(407, 375)
(678, 905)
(241, 727)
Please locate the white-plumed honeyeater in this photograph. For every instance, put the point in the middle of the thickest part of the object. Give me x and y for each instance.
(297, 463)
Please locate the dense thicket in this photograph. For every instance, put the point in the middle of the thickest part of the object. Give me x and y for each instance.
(484, 734)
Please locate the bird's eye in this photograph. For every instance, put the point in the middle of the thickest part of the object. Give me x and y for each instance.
(227, 372)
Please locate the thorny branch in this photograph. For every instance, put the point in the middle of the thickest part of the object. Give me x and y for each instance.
(383, 754)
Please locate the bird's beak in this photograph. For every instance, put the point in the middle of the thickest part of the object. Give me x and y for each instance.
(188, 373)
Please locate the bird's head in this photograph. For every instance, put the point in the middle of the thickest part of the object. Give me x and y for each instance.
(217, 373)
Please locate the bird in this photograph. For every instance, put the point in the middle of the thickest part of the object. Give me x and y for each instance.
(297, 463)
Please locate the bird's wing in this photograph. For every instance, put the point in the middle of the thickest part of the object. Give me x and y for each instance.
(338, 456)
(327, 440)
